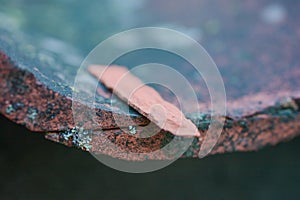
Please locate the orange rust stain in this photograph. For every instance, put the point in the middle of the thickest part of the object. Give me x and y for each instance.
(144, 99)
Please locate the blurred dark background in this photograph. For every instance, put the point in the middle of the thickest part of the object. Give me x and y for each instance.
(34, 168)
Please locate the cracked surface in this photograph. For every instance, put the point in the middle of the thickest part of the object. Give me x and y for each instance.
(258, 61)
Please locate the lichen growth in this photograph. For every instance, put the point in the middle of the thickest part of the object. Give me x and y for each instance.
(32, 113)
(79, 137)
(10, 109)
(132, 130)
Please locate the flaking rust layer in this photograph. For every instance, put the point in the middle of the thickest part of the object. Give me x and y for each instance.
(27, 101)
(144, 99)
(258, 60)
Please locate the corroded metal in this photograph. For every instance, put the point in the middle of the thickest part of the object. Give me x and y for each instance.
(258, 60)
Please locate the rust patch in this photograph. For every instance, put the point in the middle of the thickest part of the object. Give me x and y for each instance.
(261, 81)
(29, 102)
(248, 134)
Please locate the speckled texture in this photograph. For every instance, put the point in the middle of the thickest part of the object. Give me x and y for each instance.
(20, 91)
(29, 101)
(258, 60)
(269, 127)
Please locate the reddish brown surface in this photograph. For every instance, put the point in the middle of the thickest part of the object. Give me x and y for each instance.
(248, 134)
(259, 63)
(27, 101)
(20, 89)
(144, 99)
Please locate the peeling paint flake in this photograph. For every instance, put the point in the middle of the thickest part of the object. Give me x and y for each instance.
(144, 99)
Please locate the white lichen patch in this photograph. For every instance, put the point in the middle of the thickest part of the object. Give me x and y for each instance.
(32, 113)
(78, 136)
(10, 109)
(132, 130)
